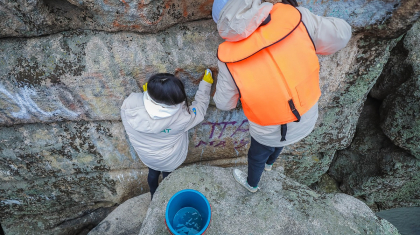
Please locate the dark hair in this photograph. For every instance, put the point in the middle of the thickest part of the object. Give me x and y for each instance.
(291, 2)
(167, 89)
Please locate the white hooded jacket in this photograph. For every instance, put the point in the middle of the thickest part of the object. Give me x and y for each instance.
(159, 133)
(237, 17)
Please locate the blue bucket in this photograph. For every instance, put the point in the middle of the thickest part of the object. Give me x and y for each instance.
(181, 213)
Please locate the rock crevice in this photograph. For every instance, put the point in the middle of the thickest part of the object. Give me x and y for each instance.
(382, 164)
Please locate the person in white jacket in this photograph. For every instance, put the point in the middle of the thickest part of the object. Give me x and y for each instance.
(157, 122)
(237, 20)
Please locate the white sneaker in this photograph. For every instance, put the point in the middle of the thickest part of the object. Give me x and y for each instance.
(268, 167)
(241, 178)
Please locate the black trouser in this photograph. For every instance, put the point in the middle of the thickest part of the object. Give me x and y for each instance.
(153, 179)
(258, 156)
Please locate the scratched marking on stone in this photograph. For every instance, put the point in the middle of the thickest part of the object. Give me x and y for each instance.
(5, 173)
(28, 107)
(10, 202)
(214, 124)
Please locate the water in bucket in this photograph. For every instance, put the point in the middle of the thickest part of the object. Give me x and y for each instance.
(188, 221)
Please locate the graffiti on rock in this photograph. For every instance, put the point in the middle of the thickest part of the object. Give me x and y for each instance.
(10, 202)
(23, 99)
(219, 140)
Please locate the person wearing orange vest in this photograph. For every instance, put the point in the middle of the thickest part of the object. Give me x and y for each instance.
(269, 61)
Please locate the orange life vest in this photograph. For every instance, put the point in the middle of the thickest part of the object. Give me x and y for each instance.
(275, 69)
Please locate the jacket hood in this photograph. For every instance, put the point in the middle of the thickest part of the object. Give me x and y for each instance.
(240, 18)
(157, 110)
(138, 116)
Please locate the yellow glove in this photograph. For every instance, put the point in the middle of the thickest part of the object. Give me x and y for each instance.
(145, 87)
(208, 76)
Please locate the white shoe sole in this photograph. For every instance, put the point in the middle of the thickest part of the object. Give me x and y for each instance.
(268, 169)
(237, 180)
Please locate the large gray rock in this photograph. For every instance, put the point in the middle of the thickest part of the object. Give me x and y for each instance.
(72, 160)
(86, 75)
(282, 206)
(400, 111)
(403, 16)
(126, 219)
(374, 169)
(411, 43)
(386, 179)
(58, 91)
(400, 114)
(42, 17)
(55, 173)
(44, 78)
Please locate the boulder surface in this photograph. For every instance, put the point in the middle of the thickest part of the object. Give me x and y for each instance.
(373, 169)
(282, 206)
(400, 111)
(43, 17)
(66, 67)
(126, 219)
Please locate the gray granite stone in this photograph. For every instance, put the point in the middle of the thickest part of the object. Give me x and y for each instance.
(282, 206)
(126, 219)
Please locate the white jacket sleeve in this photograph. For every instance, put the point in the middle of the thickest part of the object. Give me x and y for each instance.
(199, 106)
(227, 94)
(329, 34)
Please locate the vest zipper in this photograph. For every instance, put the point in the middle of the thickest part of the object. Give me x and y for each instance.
(282, 77)
(290, 101)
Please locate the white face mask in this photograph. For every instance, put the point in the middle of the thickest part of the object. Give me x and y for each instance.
(157, 110)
